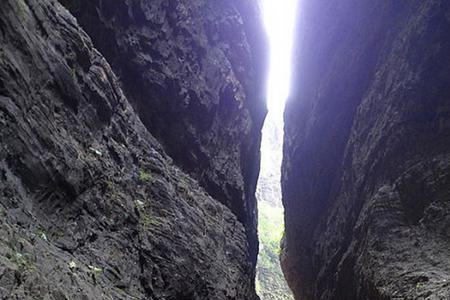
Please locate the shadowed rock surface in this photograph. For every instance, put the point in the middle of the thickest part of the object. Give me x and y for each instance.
(366, 172)
(91, 207)
(193, 70)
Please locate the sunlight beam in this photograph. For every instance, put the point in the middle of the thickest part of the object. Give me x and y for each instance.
(279, 20)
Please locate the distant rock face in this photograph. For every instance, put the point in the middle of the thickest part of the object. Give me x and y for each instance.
(366, 172)
(194, 71)
(91, 206)
(270, 283)
(269, 188)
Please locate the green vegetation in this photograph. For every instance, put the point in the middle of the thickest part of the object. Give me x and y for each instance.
(21, 8)
(139, 204)
(270, 282)
(42, 235)
(144, 176)
(420, 285)
(73, 266)
(22, 262)
(95, 273)
(149, 221)
(95, 270)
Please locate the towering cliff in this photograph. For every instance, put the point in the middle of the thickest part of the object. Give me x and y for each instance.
(366, 172)
(91, 206)
(194, 71)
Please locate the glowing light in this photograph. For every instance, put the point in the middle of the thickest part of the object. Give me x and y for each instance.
(279, 19)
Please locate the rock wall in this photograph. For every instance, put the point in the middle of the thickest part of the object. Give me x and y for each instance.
(366, 171)
(194, 71)
(91, 205)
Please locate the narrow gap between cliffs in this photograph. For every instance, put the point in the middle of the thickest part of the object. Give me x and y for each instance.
(279, 19)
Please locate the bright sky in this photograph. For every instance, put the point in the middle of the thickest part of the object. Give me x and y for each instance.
(279, 18)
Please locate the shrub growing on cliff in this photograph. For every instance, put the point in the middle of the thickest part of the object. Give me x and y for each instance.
(144, 176)
(270, 281)
(148, 221)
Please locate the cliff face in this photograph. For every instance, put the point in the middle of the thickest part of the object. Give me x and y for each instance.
(91, 205)
(366, 172)
(193, 70)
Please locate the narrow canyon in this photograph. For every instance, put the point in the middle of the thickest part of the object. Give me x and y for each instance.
(130, 151)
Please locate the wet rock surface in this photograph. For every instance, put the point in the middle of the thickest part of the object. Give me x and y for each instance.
(366, 173)
(193, 70)
(91, 206)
